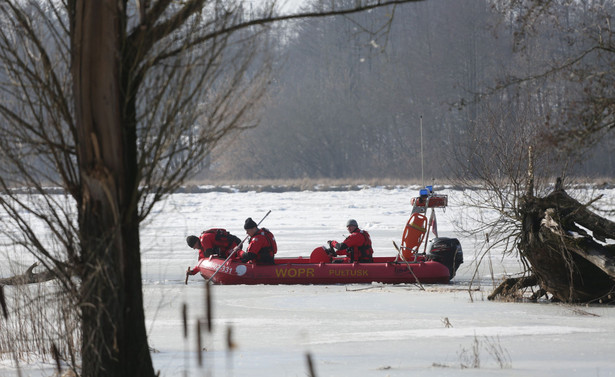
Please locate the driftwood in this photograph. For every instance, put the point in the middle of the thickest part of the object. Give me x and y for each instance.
(510, 286)
(30, 277)
(570, 250)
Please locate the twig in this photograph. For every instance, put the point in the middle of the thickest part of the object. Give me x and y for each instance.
(418, 282)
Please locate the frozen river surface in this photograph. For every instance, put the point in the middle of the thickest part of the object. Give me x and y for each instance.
(351, 330)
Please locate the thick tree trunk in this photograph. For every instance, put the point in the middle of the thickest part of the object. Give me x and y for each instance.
(568, 262)
(114, 336)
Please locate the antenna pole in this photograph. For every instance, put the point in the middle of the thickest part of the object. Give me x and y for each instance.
(422, 162)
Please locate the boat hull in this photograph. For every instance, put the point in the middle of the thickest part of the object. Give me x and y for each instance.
(302, 271)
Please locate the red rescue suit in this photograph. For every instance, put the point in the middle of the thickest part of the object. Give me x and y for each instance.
(216, 241)
(261, 249)
(357, 246)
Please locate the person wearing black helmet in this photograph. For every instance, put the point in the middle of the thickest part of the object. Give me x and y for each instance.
(357, 246)
(213, 242)
(262, 246)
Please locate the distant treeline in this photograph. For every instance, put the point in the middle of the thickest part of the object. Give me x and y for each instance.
(351, 93)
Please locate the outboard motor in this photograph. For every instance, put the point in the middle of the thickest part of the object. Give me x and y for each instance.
(448, 252)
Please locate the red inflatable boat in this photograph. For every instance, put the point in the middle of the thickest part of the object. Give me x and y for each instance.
(438, 265)
(301, 270)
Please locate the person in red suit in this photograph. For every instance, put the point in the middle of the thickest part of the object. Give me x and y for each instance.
(262, 246)
(216, 241)
(357, 246)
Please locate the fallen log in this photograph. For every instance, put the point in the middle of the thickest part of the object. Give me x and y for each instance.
(509, 287)
(566, 246)
(29, 277)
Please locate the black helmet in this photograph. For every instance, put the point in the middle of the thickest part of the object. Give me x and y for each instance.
(192, 240)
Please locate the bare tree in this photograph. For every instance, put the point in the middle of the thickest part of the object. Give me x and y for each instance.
(576, 73)
(558, 106)
(117, 102)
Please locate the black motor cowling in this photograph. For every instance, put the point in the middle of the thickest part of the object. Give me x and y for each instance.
(446, 251)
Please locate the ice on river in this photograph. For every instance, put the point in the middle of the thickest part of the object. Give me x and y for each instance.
(351, 330)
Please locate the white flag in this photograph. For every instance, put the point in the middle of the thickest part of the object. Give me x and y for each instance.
(433, 223)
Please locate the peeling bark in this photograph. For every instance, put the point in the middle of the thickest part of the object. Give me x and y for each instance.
(113, 319)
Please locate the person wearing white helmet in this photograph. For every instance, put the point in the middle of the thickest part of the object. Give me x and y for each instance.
(357, 246)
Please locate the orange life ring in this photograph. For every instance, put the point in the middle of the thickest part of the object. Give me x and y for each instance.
(413, 235)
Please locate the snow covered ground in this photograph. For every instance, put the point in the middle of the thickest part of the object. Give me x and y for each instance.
(352, 330)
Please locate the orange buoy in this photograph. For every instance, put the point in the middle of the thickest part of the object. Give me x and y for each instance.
(413, 235)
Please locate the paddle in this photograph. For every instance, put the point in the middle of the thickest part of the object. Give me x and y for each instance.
(235, 249)
(408, 265)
